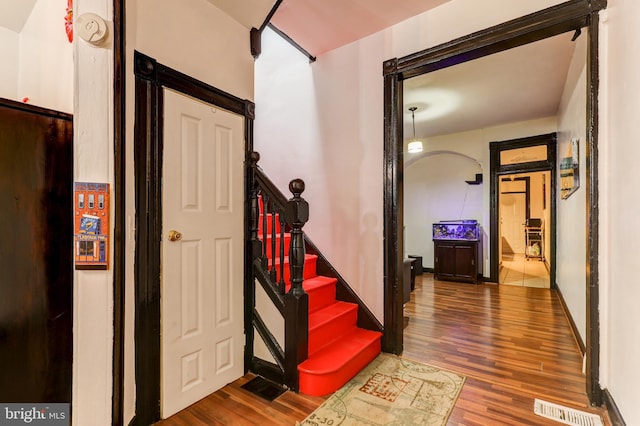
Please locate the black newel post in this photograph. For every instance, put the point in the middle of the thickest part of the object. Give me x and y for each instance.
(296, 300)
(254, 207)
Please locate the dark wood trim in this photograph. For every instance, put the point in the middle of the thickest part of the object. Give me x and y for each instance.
(612, 409)
(572, 324)
(497, 170)
(272, 12)
(20, 106)
(150, 80)
(255, 35)
(555, 20)
(393, 209)
(293, 43)
(549, 22)
(593, 285)
(119, 189)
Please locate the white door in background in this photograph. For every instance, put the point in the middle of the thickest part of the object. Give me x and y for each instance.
(202, 269)
(513, 216)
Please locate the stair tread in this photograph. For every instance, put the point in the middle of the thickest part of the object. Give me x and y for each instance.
(329, 313)
(333, 357)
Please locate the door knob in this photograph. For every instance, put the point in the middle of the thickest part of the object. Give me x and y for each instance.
(174, 235)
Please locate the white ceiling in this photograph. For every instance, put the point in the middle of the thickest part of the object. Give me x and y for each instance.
(519, 84)
(249, 13)
(15, 13)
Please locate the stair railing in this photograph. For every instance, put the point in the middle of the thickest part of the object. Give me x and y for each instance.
(271, 213)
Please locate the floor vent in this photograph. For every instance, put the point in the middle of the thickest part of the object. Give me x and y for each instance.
(565, 415)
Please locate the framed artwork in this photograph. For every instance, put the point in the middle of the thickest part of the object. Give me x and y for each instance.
(91, 225)
(570, 170)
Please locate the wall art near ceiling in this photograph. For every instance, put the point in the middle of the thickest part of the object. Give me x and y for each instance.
(91, 225)
(570, 170)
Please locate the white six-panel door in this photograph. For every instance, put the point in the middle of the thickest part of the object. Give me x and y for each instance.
(202, 269)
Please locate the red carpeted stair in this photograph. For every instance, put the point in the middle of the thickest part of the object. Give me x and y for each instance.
(338, 349)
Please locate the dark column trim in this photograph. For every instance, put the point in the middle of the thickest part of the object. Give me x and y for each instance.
(119, 189)
(150, 80)
(393, 210)
(549, 22)
(593, 285)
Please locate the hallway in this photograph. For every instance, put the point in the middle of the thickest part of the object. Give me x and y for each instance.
(516, 270)
(513, 344)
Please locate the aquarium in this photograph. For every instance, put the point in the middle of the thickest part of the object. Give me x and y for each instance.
(468, 230)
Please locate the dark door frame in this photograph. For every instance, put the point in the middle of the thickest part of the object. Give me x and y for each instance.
(569, 16)
(497, 170)
(150, 80)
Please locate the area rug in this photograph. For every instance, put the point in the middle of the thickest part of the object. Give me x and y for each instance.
(392, 391)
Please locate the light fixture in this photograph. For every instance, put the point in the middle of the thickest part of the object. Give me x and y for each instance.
(415, 145)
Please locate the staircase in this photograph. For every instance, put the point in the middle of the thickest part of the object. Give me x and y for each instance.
(337, 349)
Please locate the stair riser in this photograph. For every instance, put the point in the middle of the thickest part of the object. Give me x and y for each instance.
(321, 297)
(332, 331)
(320, 385)
(309, 270)
(269, 225)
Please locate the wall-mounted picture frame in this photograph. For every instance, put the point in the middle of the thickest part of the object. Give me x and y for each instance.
(91, 225)
(570, 170)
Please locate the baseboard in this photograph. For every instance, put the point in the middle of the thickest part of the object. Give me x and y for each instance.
(572, 323)
(614, 413)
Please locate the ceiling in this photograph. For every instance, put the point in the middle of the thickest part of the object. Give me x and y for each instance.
(15, 13)
(520, 84)
(323, 25)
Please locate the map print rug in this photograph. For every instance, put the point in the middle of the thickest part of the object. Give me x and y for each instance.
(392, 391)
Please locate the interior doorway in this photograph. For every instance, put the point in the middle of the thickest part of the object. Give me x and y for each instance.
(568, 16)
(152, 80)
(524, 222)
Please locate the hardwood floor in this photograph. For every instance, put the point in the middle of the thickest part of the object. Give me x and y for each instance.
(513, 344)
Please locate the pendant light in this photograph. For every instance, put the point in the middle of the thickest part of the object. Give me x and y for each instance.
(414, 145)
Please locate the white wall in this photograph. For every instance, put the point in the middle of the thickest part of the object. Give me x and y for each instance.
(423, 176)
(9, 52)
(328, 116)
(619, 180)
(435, 190)
(571, 236)
(93, 290)
(37, 63)
(46, 58)
(195, 38)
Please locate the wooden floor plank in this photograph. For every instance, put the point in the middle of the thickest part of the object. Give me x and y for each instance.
(514, 344)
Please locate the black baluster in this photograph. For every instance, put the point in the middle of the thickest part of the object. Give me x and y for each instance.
(254, 208)
(272, 272)
(265, 202)
(282, 244)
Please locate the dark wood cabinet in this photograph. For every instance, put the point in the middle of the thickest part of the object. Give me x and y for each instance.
(456, 260)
